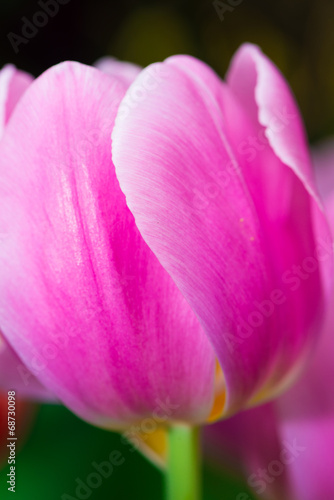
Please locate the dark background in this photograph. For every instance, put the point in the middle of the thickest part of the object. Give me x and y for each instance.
(298, 35)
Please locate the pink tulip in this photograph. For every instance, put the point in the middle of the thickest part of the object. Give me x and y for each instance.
(122, 285)
(285, 448)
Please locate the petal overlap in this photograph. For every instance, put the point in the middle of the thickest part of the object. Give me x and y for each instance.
(89, 308)
(243, 254)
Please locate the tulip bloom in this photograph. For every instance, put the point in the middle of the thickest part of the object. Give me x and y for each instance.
(285, 448)
(126, 282)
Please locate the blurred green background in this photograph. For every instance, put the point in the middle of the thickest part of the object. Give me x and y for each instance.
(61, 448)
(298, 35)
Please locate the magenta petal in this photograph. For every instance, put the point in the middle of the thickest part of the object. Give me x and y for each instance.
(126, 72)
(14, 375)
(294, 434)
(266, 97)
(306, 416)
(13, 84)
(230, 250)
(307, 411)
(88, 307)
(249, 445)
(270, 105)
(323, 158)
(285, 449)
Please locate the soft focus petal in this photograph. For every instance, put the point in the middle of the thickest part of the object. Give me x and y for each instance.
(306, 413)
(89, 309)
(126, 72)
(14, 375)
(268, 100)
(13, 84)
(323, 157)
(285, 449)
(247, 445)
(307, 416)
(294, 435)
(266, 96)
(203, 210)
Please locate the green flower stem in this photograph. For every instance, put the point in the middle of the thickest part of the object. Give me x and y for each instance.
(183, 476)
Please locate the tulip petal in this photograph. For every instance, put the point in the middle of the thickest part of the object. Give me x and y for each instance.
(14, 375)
(267, 98)
(323, 158)
(249, 444)
(124, 71)
(198, 209)
(306, 418)
(269, 103)
(13, 83)
(295, 433)
(306, 412)
(89, 308)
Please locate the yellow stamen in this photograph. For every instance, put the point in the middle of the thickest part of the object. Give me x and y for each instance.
(220, 395)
